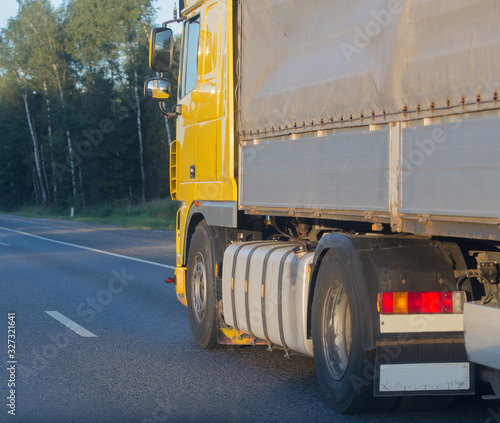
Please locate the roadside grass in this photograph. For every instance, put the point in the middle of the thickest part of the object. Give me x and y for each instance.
(157, 214)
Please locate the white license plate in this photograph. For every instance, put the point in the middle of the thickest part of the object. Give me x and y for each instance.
(424, 377)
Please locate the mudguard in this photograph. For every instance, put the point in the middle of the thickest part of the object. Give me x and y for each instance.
(385, 263)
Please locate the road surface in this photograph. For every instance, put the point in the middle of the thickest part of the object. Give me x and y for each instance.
(99, 337)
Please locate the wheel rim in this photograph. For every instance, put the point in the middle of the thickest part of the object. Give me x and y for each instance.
(199, 287)
(337, 334)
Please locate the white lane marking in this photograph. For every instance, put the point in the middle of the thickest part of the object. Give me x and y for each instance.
(90, 249)
(75, 327)
(3, 244)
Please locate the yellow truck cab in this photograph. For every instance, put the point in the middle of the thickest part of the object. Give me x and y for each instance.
(202, 173)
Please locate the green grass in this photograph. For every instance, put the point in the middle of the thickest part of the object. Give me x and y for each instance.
(158, 214)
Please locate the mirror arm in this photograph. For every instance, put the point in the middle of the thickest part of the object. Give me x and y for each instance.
(174, 114)
(165, 24)
(163, 110)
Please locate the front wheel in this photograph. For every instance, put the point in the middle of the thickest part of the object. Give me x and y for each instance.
(201, 290)
(345, 371)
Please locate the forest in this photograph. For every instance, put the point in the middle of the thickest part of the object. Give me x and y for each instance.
(75, 129)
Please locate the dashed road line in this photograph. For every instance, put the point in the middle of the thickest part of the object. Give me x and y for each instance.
(70, 324)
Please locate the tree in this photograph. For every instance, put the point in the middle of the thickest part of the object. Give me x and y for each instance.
(87, 132)
(15, 60)
(40, 29)
(116, 46)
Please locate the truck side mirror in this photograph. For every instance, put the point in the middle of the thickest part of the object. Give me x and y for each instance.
(157, 89)
(161, 49)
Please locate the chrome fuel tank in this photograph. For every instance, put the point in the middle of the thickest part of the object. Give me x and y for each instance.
(265, 292)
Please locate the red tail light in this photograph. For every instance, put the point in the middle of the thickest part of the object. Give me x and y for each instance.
(421, 302)
(387, 305)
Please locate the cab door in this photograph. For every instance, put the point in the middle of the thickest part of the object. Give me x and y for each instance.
(199, 123)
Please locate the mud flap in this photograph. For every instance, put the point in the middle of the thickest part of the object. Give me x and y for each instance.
(411, 369)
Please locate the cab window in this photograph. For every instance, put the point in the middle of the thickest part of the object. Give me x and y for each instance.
(190, 56)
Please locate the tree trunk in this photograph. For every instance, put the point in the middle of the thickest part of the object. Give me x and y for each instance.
(68, 134)
(52, 161)
(35, 186)
(167, 127)
(139, 131)
(35, 146)
(44, 171)
(81, 187)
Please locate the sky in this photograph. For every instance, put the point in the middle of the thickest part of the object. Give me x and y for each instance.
(164, 11)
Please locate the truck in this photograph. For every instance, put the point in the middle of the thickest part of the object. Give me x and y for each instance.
(338, 166)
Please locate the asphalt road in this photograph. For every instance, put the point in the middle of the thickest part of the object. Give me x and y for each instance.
(137, 361)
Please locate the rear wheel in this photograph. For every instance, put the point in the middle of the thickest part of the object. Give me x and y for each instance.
(201, 290)
(345, 371)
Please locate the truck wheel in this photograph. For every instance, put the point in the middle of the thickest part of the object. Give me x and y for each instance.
(345, 371)
(200, 289)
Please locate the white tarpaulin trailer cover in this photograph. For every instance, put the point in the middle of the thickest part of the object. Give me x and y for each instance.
(323, 62)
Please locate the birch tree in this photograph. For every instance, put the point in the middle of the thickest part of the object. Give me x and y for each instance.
(34, 138)
(120, 43)
(44, 34)
(15, 60)
(135, 41)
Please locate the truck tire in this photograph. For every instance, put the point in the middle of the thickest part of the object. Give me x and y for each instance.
(345, 371)
(201, 290)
